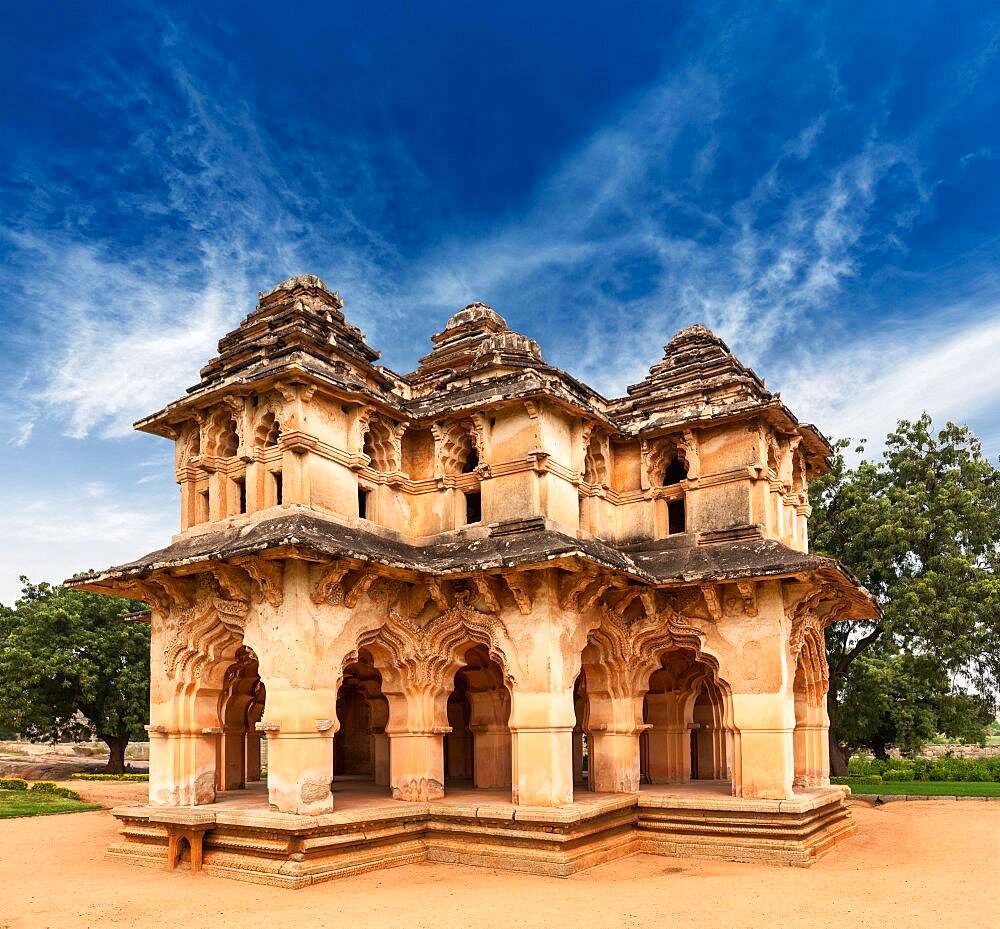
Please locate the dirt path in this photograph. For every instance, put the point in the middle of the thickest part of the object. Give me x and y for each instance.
(930, 863)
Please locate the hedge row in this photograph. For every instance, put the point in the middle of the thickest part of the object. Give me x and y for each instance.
(50, 788)
(946, 768)
(110, 777)
(858, 779)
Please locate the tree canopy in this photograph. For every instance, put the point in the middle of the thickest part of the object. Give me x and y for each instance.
(71, 667)
(921, 529)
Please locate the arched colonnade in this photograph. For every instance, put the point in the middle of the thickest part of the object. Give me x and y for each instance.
(415, 712)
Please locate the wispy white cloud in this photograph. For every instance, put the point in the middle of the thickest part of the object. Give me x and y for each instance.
(861, 390)
(62, 533)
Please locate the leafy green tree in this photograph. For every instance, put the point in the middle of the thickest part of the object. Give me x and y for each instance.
(71, 668)
(921, 530)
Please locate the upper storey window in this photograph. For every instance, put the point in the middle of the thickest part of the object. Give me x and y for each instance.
(595, 465)
(223, 436)
(381, 445)
(667, 464)
(269, 431)
(458, 457)
(458, 450)
(675, 472)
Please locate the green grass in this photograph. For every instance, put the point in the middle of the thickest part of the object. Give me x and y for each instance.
(931, 788)
(33, 803)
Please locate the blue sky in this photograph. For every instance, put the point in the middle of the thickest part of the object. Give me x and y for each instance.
(819, 183)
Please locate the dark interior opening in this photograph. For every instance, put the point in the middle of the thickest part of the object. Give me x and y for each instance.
(242, 485)
(675, 516)
(471, 462)
(363, 503)
(277, 488)
(473, 507)
(675, 473)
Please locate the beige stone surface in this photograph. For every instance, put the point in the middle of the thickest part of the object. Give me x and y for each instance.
(934, 864)
(482, 573)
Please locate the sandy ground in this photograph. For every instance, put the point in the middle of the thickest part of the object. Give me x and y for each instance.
(934, 863)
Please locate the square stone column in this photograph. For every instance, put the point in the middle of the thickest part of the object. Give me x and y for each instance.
(615, 722)
(544, 663)
(492, 756)
(766, 750)
(668, 742)
(541, 727)
(752, 640)
(416, 730)
(416, 764)
(299, 750)
(182, 765)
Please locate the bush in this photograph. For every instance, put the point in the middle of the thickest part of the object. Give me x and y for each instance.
(52, 789)
(946, 768)
(857, 779)
(13, 783)
(109, 777)
(898, 774)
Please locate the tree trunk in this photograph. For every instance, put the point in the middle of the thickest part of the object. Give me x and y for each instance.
(116, 760)
(839, 756)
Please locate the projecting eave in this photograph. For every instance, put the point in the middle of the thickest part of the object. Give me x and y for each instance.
(299, 372)
(518, 545)
(648, 423)
(527, 384)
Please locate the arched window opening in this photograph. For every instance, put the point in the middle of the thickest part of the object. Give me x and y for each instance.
(675, 472)
(269, 431)
(810, 739)
(458, 451)
(478, 748)
(241, 706)
(361, 746)
(581, 759)
(689, 733)
(595, 466)
(381, 446)
(231, 440)
(772, 459)
(223, 437)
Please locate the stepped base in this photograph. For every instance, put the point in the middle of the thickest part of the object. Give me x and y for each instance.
(239, 838)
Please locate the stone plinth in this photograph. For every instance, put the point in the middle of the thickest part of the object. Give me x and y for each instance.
(476, 827)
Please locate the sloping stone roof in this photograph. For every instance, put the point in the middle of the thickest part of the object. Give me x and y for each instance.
(512, 545)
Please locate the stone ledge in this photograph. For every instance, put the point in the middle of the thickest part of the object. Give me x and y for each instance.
(295, 851)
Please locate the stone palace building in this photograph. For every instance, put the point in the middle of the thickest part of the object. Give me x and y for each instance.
(479, 612)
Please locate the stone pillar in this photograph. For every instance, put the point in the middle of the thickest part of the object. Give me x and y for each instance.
(233, 764)
(668, 739)
(182, 765)
(300, 725)
(767, 756)
(614, 726)
(545, 663)
(184, 737)
(253, 755)
(811, 741)
(541, 726)
(416, 744)
(492, 756)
